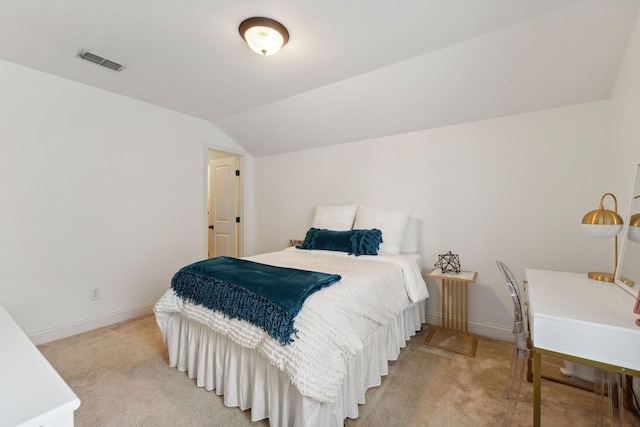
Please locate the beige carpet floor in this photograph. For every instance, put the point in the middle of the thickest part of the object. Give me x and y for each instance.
(122, 377)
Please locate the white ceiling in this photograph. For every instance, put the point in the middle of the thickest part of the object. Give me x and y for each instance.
(352, 70)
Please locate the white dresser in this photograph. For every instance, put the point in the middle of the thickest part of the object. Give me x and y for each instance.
(32, 393)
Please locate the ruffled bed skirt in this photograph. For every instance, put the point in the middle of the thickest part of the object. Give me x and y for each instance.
(247, 380)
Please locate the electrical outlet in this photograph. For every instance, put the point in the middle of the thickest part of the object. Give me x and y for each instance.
(94, 294)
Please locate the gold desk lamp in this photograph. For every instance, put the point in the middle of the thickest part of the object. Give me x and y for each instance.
(634, 227)
(604, 223)
(634, 235)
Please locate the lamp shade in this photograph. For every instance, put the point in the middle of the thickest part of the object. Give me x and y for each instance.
(264, 35)
(602, 223)
(634, 228)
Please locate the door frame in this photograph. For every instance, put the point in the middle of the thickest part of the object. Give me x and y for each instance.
(205, 204)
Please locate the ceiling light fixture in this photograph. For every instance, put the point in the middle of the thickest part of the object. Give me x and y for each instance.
(263, 35)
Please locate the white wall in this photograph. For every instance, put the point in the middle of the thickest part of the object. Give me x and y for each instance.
(626, 147)
(626, 138)
(626, 114)
(513, 188)
(97, 191)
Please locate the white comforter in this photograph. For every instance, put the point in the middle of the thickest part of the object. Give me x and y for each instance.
(333, 322)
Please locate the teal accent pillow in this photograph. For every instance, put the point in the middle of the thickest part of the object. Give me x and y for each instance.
(354, 242)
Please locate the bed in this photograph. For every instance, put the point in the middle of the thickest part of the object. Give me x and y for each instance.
(345, 333)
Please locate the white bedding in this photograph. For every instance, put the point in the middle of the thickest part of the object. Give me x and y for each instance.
(333, 323)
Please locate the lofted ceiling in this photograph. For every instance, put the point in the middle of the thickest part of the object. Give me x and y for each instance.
(352, 70)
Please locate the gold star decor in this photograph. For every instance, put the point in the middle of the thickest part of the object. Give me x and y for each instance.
(448, 262)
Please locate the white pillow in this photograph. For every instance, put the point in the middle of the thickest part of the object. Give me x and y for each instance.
(336, 218)
(391, 222)
(409, 243)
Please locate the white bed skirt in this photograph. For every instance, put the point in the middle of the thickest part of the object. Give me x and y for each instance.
(248, 380)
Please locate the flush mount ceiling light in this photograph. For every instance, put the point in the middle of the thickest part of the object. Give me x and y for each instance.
(263, 35)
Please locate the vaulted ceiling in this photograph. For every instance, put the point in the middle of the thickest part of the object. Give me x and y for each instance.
(352, 70)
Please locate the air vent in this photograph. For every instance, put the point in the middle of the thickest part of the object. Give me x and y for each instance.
(97, 59)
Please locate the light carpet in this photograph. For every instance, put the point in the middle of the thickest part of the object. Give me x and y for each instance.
(122, 377)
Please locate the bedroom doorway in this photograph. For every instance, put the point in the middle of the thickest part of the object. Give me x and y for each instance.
(223, 204)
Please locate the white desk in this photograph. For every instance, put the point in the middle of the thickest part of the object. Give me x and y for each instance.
(586, 321)
(32, 393)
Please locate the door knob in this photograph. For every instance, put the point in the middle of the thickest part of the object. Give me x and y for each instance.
(211, 227)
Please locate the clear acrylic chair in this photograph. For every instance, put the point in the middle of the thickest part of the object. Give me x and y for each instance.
(522, 347)
(603, 381)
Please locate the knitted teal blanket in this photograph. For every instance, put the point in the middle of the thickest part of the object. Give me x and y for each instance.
(269, 297)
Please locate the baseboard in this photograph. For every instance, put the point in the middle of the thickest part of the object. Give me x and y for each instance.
(86, 325)
(479, 329)
(78, 327)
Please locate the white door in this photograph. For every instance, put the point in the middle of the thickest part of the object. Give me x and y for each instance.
(222, 208)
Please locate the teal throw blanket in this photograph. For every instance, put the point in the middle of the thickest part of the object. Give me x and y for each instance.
(270, 297)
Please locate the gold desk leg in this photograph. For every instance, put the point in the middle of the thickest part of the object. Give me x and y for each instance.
(536, 387)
